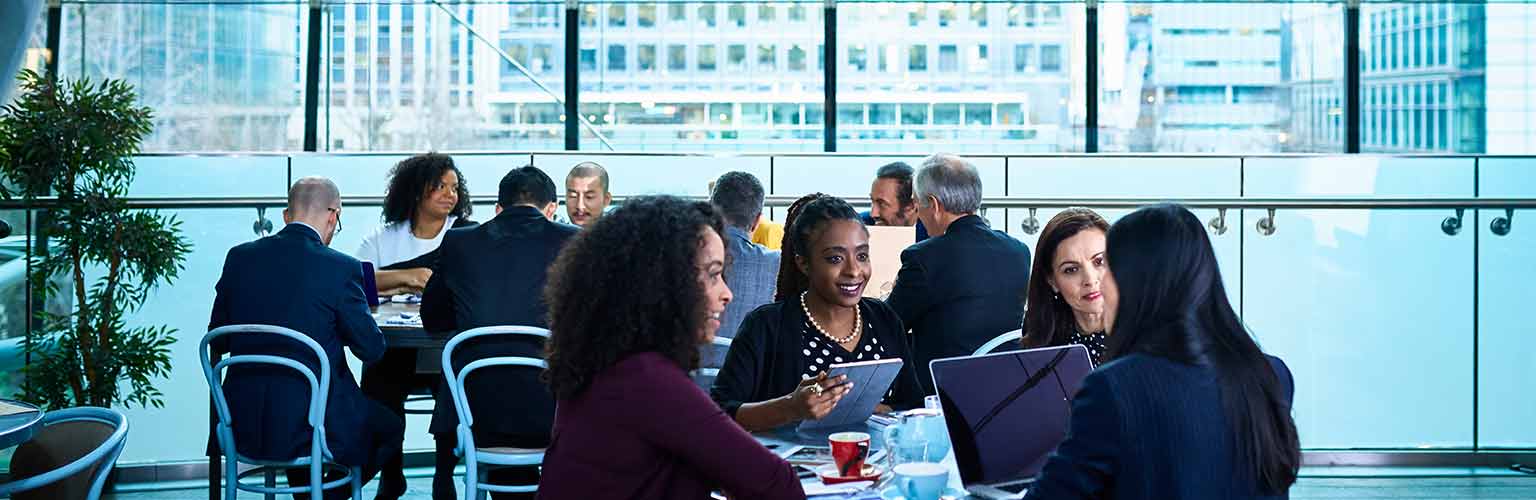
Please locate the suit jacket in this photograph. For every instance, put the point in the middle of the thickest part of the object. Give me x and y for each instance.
(292, 280)
(493, 275)
(959, 290)
(1145, 427)
(753, 276)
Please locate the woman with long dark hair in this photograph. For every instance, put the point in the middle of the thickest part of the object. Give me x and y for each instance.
(1065, 304)
(776, 371)
(631, 299)
(1187, 406)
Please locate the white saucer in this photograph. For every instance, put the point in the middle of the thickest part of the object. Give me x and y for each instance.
(891, 493)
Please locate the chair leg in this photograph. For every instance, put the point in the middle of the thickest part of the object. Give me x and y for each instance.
(357, 483)
(471, 479)
(480, 494)
(270, 480)
(231, 475)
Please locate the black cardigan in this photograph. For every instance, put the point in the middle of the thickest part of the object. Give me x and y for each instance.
(765, 360)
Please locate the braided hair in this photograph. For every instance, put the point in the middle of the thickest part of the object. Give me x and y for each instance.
(806, 216)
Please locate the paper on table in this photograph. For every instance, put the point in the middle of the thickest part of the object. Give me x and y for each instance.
(10, 409)
(885, 246)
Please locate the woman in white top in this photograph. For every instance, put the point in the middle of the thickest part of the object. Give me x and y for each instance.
(426, 197)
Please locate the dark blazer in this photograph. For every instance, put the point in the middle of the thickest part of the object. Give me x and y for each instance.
(766, 362)
(493, 275)
(1145, 427)
(292, 280)
(959, 290)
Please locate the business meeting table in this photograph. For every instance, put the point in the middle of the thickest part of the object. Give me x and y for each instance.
(19, 421)
(783, 441)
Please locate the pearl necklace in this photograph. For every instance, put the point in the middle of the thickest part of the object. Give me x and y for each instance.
(858, 320)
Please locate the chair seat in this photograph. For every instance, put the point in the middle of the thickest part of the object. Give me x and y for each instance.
(510, 456)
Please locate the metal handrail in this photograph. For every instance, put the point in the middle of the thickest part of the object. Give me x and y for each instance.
(1006, 202)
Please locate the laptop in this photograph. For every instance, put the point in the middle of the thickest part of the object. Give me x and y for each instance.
(370, 285)
(1007, 412)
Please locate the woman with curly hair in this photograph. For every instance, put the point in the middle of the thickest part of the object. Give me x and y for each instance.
(631, 299)
(426, 197)
(776, 371)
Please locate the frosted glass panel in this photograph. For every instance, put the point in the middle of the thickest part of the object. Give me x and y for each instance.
(1169, 178)
(851, 176)
(194, 175)
(637, 174)
(1372, 309)
(1506, 351)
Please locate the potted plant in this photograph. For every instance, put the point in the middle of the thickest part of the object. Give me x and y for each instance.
(74, 142)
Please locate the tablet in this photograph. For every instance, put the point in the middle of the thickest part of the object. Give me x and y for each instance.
(871, 380)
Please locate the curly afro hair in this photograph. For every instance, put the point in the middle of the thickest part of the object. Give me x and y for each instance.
(410, 180)
(628, 284)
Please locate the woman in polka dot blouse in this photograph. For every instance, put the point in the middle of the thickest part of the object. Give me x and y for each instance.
(775, 373)
(1065, 304)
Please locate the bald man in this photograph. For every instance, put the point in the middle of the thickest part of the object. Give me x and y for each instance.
(586, 193)
(294, 280)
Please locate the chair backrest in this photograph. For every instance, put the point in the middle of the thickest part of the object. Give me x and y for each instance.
(70, 457)
(998, 341)
(455, 378)
(319, 385)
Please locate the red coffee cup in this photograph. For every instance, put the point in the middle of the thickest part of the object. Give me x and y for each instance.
(849, 449)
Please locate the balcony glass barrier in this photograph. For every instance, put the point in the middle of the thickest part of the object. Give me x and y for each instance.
(1400, 335)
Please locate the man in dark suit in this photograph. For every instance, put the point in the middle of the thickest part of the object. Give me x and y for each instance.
(965, 285)
(493, 275)
(291, 279)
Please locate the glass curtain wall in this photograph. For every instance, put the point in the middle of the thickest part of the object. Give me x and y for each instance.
(1231, 77)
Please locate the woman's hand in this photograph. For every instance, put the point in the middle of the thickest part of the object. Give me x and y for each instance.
(814, 398)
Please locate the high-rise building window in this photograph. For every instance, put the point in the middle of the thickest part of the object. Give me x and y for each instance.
(645, 15)
(858, 58)
(677, 12)
(949, 58)
(766, 13)
(917, 58)
(767, 57)
(1050, 14)
(947, 14)
(916, 14)
(736, 14)
(677, 58)
(588, 17)
(645, 57)
(736, 57)
(979, 61)
(796, 58)
(706, 58)
(979, 14)
(797, 13)
(1050, 58)
(616, 58)
(707, 15)
(588, 59)
(1023, 57)
(618, 15)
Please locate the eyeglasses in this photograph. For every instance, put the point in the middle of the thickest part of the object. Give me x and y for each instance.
(338, 219)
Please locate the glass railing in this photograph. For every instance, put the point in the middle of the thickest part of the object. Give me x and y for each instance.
(1401, 335)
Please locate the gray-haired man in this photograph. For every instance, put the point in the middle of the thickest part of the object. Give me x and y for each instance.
(965, 285)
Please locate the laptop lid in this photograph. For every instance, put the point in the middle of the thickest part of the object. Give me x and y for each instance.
(370, 285)
(1007, 412)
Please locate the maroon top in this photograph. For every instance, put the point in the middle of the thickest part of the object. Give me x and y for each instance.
(643, 430)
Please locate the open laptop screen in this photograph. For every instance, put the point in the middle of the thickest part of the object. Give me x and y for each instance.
(370, 284)
(1007, 412)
